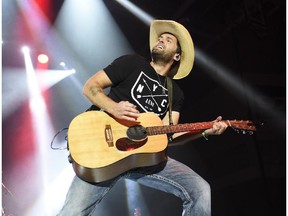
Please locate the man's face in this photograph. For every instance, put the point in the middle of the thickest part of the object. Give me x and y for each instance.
(165, 47)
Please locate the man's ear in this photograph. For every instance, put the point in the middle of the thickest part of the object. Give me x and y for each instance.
(177, 57)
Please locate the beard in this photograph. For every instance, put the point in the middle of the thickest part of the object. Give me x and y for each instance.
(160, 57)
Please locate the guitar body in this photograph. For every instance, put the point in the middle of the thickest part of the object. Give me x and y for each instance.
(100, 149)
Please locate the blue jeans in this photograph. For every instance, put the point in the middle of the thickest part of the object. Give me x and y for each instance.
(176, 178)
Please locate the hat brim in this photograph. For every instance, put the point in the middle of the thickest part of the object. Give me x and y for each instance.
(159, 27)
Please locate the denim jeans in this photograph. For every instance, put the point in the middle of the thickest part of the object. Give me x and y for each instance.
(176, 178)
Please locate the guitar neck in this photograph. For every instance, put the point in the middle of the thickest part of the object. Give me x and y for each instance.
(178, 128)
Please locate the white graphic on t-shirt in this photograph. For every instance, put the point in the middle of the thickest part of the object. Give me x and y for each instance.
(148, 94)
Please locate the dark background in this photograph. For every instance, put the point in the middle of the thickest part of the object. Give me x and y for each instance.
(247, 38)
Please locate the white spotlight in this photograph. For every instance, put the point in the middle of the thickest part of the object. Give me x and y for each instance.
(142, 15)
(25, 49)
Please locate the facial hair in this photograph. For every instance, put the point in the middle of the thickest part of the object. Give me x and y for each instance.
(160, 57)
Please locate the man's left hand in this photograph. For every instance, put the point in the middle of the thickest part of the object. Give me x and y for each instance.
(218, 127)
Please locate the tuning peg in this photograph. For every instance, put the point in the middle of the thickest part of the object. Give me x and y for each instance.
(259, 124)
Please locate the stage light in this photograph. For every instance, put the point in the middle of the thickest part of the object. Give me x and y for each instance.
(43, 58)
(63, 64)
(25, 49)
(135, 198)
(138, 12)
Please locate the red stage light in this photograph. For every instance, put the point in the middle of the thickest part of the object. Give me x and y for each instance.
(43, 58)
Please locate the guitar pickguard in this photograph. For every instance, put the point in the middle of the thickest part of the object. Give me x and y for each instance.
(126, 144)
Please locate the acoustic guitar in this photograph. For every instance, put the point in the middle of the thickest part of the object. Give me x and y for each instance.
(103, 147)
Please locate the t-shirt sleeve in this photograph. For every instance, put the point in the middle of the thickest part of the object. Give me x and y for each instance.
(120, 68)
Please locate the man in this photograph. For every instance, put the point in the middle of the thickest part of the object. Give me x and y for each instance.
(139, 86)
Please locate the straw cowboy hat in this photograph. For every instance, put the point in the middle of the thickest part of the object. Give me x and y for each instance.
(159, 27)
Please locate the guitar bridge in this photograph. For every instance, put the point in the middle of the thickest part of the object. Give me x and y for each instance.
(108, 135)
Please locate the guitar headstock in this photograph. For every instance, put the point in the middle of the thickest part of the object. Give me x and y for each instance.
(244, 126)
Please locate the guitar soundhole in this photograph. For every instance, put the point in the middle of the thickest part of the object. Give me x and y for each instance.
(137, 132)
(125, 144)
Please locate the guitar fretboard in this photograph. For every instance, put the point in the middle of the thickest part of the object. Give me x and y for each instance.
(243, 125)
(178, 128)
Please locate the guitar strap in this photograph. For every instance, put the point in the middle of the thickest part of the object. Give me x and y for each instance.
(170, 91)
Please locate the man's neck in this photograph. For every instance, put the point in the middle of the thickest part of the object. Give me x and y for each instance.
(161, 69)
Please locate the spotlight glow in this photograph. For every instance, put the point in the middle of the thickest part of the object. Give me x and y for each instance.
(41, 124)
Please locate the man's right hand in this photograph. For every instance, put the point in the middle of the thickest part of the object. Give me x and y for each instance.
(125, 110)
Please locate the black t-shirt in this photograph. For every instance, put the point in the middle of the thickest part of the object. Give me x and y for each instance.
(135, 80)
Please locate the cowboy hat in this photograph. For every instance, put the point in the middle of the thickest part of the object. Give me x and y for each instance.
(159, 27)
